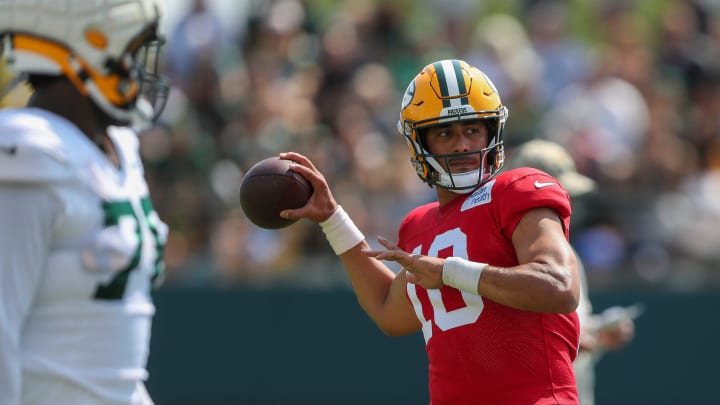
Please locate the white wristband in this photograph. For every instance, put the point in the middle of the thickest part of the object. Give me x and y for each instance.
(462, 274)
(341, 232)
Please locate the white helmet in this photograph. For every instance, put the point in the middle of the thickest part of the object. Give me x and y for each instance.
(97, 44)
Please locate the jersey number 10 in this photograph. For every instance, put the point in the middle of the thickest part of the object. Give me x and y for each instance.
(472, 305)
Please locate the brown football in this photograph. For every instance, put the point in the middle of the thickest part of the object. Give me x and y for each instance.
(270, 187)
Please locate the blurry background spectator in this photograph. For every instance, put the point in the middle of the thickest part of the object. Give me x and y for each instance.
(631, 88)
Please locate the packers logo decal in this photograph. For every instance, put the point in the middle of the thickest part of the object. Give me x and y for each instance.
(409, 94)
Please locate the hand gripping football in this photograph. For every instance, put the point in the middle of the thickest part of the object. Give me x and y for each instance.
(270, 187)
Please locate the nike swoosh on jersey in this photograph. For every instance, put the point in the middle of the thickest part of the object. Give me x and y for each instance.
(541, 185)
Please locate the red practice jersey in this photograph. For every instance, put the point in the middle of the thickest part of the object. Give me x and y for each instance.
(479, 351)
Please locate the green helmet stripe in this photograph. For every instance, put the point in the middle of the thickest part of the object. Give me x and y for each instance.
(452, 83)
(460, 81)
(442, 81)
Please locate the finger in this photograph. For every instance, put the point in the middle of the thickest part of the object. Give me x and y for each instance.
(296, 213)
(296, 157)
(312, 175)
(393, 255)
(387, 255)
(387, 244)
(372, 253)
(411, 278)
(307, 172)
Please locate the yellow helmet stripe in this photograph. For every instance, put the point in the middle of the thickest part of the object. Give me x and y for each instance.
(55, 52)
(76, 69)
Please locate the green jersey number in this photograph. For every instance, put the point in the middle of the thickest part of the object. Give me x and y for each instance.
(114, 211)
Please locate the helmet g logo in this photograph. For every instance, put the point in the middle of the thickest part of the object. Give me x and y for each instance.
(409, 94)
(408, 129)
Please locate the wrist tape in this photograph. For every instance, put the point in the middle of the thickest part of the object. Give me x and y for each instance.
(341, 232)
(462, 274)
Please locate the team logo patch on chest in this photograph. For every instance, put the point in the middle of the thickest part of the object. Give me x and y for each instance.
(481, 196)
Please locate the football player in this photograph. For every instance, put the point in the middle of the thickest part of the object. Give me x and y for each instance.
(81, 244)
(488, 274)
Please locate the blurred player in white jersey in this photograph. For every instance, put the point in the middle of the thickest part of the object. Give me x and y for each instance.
(80, 243)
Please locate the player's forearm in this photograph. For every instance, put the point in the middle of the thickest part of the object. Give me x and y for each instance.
(375, 285)
(372, 282)
(370, 279)
(531, 287)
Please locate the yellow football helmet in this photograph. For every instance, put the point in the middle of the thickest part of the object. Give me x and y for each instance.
(447, 91)
(99, 45)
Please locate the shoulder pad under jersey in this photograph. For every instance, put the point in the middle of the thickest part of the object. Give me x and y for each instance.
(38, 147)
(524, 188)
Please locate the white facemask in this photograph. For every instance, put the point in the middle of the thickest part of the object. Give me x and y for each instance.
(469, 179)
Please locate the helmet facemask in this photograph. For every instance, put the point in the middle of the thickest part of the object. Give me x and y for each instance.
(133, 91)
(431, 166)
(154, 87)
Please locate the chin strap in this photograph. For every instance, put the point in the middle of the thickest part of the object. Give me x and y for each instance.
(460, 183)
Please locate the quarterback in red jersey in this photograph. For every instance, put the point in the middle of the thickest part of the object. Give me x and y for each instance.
(488, 273)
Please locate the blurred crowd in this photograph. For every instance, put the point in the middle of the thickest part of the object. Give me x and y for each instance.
(631, 88)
